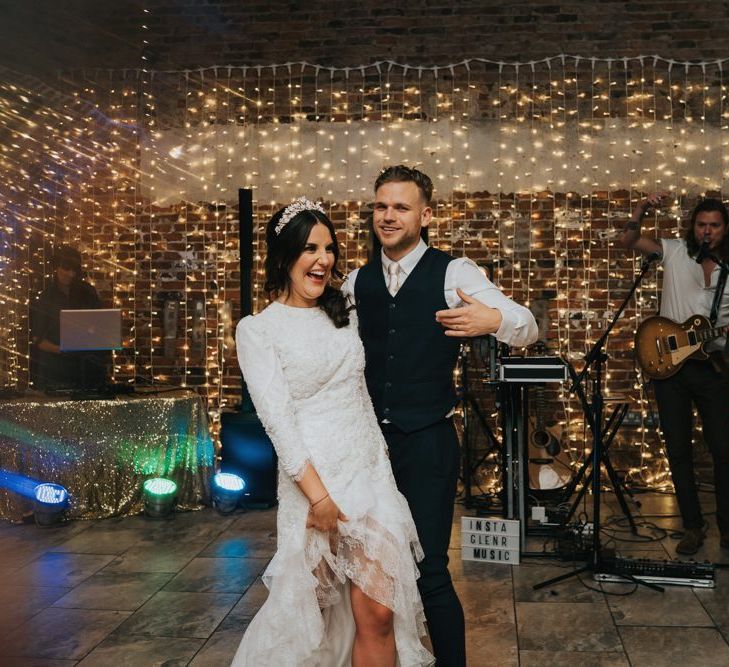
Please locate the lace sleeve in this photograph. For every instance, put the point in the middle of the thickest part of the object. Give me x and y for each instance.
(264, 376)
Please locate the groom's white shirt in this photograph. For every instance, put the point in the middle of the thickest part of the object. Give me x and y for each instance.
(518, 326)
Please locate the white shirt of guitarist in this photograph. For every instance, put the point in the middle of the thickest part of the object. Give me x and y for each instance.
(684, 292)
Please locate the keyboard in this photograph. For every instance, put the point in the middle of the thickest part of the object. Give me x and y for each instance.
(675, 573)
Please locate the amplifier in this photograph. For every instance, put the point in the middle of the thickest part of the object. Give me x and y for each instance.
(676, 573)
(532, 369)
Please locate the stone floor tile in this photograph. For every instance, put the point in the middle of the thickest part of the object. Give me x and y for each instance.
(582, 626)
(258, 544)
(12, 562)
(23, 661)
(100, 541)
(133, 651)
(203, 525)
(61, 633)
(668, 647)
(654, 503)
(19, 603)
(572, 659)
(486, 641)
(569, 590)
(46, 537)
(111, 590)
(651, 551)
(58, 569)
(464, 570)
(246, 607)
(217, 575)
(676, 606)
(716, 601)
(159, 557)
(167, 614)
(220, 648)
(253, 520)
(487, 602)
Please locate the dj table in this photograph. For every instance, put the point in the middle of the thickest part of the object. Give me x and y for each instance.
(102, 450)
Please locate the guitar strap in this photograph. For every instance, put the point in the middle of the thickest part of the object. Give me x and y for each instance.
(719, 360)
(720, 284)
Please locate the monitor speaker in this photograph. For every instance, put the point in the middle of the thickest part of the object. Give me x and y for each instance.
(246, 450)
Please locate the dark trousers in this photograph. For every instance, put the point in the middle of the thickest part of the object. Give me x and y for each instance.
(426, 465)
(697, 383)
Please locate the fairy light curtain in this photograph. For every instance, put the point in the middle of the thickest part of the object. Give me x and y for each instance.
(67, 175)
(533, 164)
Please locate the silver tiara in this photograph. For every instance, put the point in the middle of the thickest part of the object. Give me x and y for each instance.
(294, 208)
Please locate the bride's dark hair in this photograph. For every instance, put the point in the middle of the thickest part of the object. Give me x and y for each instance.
(286, 247)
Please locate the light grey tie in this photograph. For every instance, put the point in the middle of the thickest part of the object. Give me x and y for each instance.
(393, 278)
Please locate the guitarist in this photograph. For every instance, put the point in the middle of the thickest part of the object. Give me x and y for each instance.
(693, 284)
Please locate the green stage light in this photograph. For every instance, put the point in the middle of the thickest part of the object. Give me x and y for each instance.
(159, 497)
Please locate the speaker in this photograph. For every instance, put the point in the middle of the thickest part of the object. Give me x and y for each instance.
(246, 450)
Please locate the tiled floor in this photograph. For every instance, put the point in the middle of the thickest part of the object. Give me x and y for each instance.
(139, 592)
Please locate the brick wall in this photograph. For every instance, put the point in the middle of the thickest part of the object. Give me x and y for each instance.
(142, 256)
(45, 35)
(426, 33)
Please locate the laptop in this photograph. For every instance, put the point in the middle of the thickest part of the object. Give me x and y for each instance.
(86, 330)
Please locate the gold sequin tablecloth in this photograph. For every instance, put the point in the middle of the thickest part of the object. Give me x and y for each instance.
(102, 450)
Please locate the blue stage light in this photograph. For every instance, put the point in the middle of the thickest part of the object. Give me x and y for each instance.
(227, 491)
(159, 497)
(229, 481)
(20, 484)
(51, 494)
(50, 504)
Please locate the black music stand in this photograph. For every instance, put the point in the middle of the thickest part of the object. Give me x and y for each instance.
(594, 414)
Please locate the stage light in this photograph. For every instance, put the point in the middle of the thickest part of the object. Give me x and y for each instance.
(50, 503)
(159, 497)
(227, 491)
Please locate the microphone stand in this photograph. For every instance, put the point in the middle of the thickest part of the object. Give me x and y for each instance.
(705, 253)
(597, 357)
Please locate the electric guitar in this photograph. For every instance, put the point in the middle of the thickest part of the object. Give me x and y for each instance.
(662, 345)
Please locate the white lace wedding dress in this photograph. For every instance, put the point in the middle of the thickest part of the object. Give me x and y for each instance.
(306, 378)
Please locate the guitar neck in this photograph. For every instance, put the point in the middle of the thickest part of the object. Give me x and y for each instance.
(709, 334)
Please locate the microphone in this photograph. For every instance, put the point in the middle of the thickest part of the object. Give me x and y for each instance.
(703, 251)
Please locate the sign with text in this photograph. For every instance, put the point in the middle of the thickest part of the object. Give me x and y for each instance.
(490, 540)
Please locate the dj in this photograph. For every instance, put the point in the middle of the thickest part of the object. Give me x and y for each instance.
(50, 368)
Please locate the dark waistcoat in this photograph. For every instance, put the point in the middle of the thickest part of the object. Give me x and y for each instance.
(410, 360)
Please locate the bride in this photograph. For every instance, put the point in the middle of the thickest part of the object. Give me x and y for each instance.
(342, 584)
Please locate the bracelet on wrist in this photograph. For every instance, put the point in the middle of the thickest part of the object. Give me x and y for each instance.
(324, 497)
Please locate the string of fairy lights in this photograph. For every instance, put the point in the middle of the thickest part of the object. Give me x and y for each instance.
(534, 163)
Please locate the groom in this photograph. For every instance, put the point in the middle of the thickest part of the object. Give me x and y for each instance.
(414, 305)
